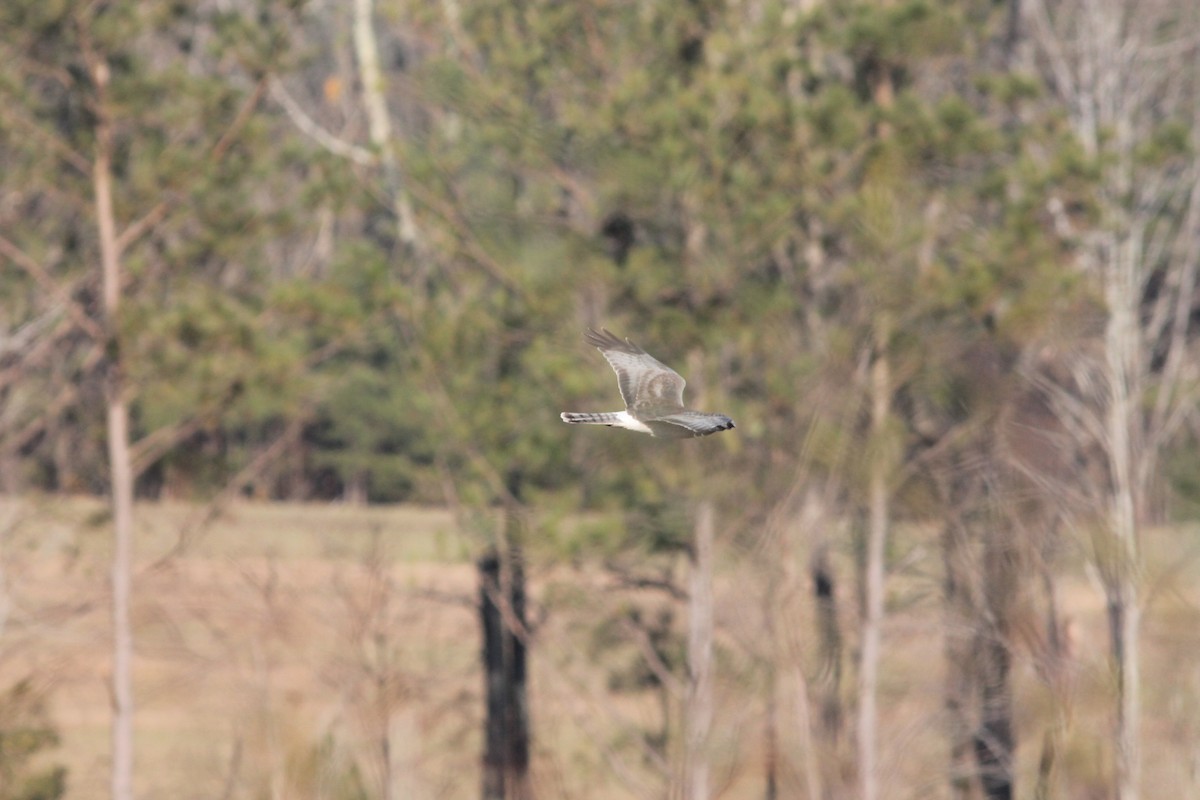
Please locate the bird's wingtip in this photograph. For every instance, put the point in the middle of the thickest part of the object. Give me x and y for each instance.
(600, 338)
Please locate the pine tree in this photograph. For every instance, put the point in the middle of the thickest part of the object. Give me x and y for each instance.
(137, 169)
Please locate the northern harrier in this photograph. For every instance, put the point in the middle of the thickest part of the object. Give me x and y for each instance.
(653, 395)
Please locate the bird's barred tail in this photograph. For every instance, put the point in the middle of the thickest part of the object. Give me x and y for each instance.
(589, 418)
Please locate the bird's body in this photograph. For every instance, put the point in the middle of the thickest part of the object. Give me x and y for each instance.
(653, 395)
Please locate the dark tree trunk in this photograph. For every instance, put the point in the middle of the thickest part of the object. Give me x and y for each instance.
(506, 735)
(828, 681)
(960, 657)
(995, 741)
(829, 632)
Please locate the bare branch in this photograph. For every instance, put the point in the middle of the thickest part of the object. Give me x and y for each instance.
(309, 127)
(21, 340)
(13, 111)
(501, 601)
(447, 406)
(1184, 279)
(653, 660)
(1043, 28)
(625, 580)
(169, 204)
(154, 446)
(211, 510)
(43, 278)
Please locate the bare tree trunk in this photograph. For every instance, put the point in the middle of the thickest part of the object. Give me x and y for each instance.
(699, 712)
(770, 717)
(995, 739)
(873, 585)
(120, 468)
(771, 734)
(1105, 60)
(122, 676)
(959, 616)
(1122, 346)
(819, 747)
(1057, 674)
(829, 679)
(378, 120)
(502, 614)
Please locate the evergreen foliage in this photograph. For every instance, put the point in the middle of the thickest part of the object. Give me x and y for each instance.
(25, 732)
(770, 196)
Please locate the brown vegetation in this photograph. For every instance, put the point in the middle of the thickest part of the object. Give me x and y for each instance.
(265, 656)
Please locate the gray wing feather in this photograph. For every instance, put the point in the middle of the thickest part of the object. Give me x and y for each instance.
(683, 424)
(646, 383)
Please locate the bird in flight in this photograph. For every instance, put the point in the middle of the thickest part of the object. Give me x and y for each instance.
(653, 395)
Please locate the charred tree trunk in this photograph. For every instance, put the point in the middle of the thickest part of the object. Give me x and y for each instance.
(829, 637)
(506, 732)
(995, 741)
(831, 715)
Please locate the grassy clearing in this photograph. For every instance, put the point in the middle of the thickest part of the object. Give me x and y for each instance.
(271, 530)
(275, 653)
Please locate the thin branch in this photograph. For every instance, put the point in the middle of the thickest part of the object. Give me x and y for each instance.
(447, 407)
(1035, 11)
(150, 448)
(451, 599)
(599, 740)
(22, 338)
(310, 128)
(13, 112)
(516, 627)
(43, 278)
(143, 224)
(167, 205)
(240, 119)
(202, 517)
(653, 660)
(452, 213)
(155, 445)
(1176, 360)
(626, 581)
(1082, 421)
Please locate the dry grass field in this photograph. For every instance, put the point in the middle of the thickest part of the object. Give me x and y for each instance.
(280, 651)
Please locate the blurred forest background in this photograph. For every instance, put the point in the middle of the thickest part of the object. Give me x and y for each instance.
(292, 295)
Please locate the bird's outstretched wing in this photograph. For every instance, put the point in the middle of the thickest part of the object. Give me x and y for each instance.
(684, 424)
(646, 383)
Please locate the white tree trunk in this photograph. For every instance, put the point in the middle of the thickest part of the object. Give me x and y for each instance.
(1110, 62)
(867, 730)
(1122, 347)
(122, 589)
(379, 121)
(699, 712)
(120, 467)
